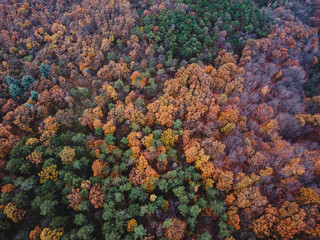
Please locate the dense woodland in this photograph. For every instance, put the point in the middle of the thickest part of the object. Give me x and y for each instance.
(159, 119)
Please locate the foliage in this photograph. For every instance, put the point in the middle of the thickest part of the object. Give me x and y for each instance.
(159, 119)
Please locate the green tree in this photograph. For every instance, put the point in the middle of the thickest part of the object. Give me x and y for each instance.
(45, 70)
(139, 232)
(26, 82)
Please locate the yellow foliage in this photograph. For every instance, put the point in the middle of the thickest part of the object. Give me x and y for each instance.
(279, 74)
(153, 197)
(169, 138)
(132, 223)
(6, 65)
(266, 172)
(48, 234)
(147, 141)
(32, 141)
(67, 155)
(49, 173)
(12, 212)
(110, 91)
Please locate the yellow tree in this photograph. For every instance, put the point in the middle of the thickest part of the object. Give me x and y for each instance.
(67, 155)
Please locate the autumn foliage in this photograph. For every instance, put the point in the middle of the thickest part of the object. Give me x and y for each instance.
(159, 119)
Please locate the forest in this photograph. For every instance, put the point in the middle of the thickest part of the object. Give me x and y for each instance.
(159, 119)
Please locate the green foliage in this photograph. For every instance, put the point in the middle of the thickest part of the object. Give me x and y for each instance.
(109, 139)
(79, 219)
(45, 70)
(98, 131)
(179, 191)
(79, 139)
(139, 232)
(86, 232)
(137, 194)
(15, 91)
(59, 221)
(167, 223)
(47, 207)
(34, 95)
(185, 36)
(11, 81)
(28, 58)
(26, 82)
(218, 207)
(204, 236)
(118, 84)
(223, 230)
(177, 124)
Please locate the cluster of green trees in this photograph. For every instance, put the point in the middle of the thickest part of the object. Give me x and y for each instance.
(191, 32)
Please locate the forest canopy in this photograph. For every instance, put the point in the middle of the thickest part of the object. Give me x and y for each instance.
(155, 119)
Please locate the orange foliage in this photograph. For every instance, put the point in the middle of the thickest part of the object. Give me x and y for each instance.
(35, 233)
(109, 128)
(177, 230)
(162, 111)
(8, 188)
(132, 223)
(110, 92)
(233, 217)
(96, 196)
(141, 82)
(263, 226)
(35, 158)
(225, 180)
(308, 196)
(113, 71)
(98, 168)
(292, 220)
(229, 199)
(251, 198)
(75, 198)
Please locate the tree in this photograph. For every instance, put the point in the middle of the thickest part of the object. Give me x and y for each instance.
(169, 138)
(8, 188)
(132, 224)
(26, 82)
(13, 213)
(49, 173)
(263, 225)
(308, 196)
(139, 232)
(85, 232)
(138, 80)
(45, 70)
(35, 233)
(96, 196)
(15, 91)
(67, 155)
(35, 157)
(51, 234)
(75, 198)
(176, 230)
